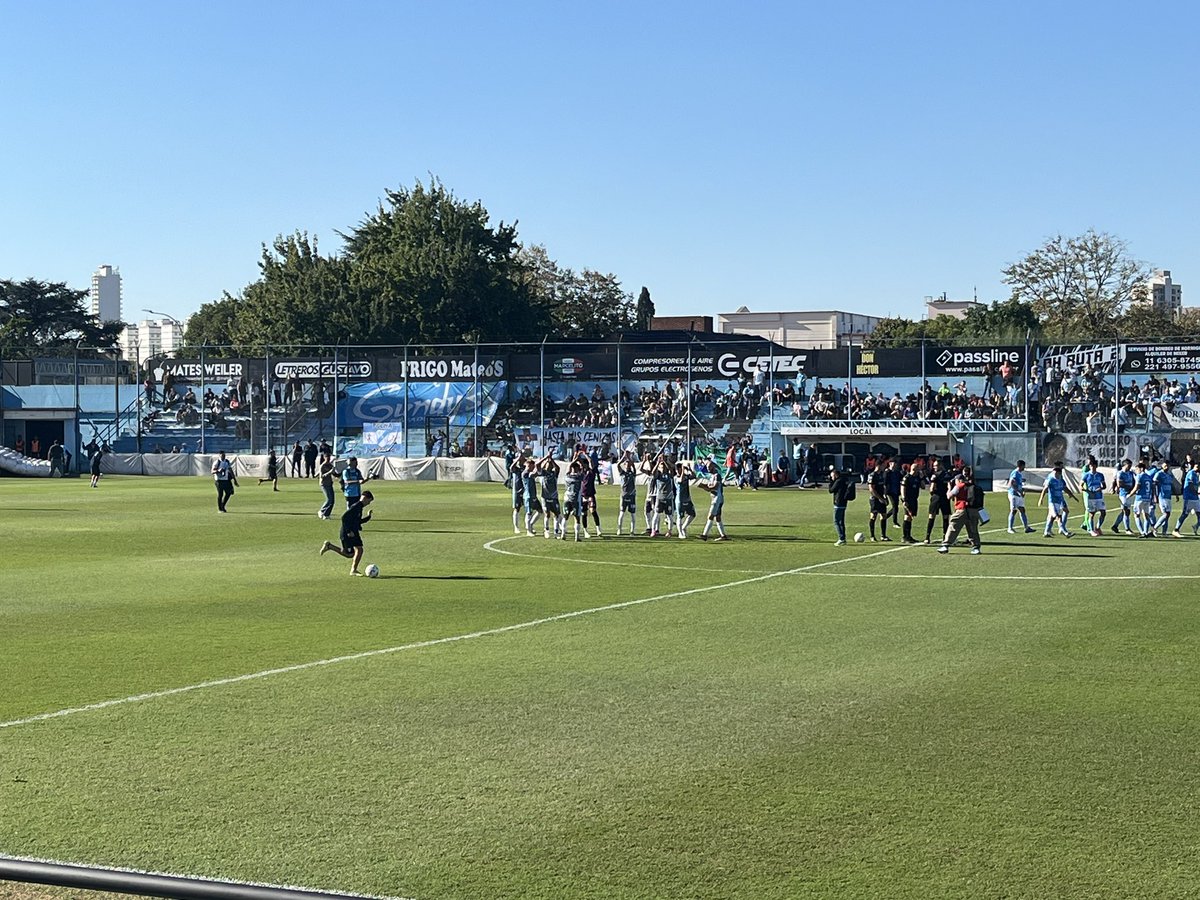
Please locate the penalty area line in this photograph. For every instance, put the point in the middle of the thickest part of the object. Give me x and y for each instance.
(432, 642)
(490, 545)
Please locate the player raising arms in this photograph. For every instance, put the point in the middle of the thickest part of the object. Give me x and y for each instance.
(1191, 498)
(665, 506)
(587, 489)
(533, 507)
(1056, 487)
(548, 469)
(648, 466)
(1125, 487)
(1016, 498)
(573, 505)
(685, 510)
(1093, 501)
(516, 475)
(1144, 492)
(627, 476)
(715, 485)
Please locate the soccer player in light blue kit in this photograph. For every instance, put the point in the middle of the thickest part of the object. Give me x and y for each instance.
(1124, 486)
(1191, 499)
(1093, 498)
(1164, 488)
(1144, 495)
(1056, 487)
(1016, 498)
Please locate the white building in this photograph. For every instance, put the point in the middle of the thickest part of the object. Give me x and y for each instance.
(940, 306)
(800, 329)
(1163, 294)
(151, 338)
(106, 294)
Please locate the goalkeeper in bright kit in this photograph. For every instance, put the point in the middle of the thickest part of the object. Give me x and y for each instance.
(1191, 499)
(1093, 498)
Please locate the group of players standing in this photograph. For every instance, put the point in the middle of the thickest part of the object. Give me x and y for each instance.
(668, 497)
(1145, 492)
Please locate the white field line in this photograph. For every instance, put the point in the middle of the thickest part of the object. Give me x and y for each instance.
(1016, 577)
(490, 545)
(287, 887)
(433, 642)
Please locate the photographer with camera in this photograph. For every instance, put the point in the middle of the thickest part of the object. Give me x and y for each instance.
(967, 498)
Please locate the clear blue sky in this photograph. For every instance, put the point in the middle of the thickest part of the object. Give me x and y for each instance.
(773, 155)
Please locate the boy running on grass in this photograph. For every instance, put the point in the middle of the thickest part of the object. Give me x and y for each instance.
(352, 523)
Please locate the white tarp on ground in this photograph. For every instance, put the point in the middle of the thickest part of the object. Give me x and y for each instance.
(382, 468)
(20, 464)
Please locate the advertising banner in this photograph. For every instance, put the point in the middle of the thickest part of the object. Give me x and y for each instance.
(311, 369)
(376, 402)
(1109, 449)
(943, 362)
(1101, 357)
(191, 371)
(453, 368)
(1184, 415)
(897, 362)
(564, 439)
(382, 437)
(1160, 358)
(564, 365)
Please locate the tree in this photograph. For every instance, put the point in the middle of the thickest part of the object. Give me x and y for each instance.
(1142, 321)
(644, 311)
(49, 318)
(584, 305)
(1078, 286)
(1009, 321)
(215, 324)
(430, 267)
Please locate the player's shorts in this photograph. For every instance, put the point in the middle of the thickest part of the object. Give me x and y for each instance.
(939, 506)
(1057, 509)
(572, 508)
(714, 509)
(687, 508)
(519, 501)
(1164, 504)
(1145, 508)
(587, 499)
(350, 541)
(551, 507)
(666, 507)
(629, 504)
(651, 502)
(1128, 501)
(533, 505)
(910, 508)
(1095, 504)
(878, 506)
(1191, 505)
(1016, 501)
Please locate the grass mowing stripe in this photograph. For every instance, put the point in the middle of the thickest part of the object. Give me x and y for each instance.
(433, 642)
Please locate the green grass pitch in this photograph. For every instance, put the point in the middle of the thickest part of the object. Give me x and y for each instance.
(779, 718)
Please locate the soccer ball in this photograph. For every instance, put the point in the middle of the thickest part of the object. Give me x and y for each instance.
(372, 571)
(859, 538)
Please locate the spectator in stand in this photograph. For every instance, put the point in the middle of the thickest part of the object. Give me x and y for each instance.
(297, 459)
(19, 446)
(310, 459)
(35, 447)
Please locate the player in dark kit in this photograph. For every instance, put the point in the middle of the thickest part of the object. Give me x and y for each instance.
(939, 497)
(910, 497)
(877, 483)
(627, 476)
(572, 505)
(351, 535)
(587, 489)
(685, 510)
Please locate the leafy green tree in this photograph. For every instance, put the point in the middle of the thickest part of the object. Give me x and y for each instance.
(49, 318)
(1143, 322)
(1078, 286)
(429, 267)
(1003, 322)
(588, 304)
(215, 324)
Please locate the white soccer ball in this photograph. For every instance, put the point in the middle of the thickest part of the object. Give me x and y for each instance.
(859, 538)
(372, 571)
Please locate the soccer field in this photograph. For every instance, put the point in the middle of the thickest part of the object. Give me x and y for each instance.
(506, 716)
